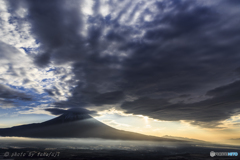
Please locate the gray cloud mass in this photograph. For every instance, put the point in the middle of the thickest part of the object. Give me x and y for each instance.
(8, 96)
(182, 64)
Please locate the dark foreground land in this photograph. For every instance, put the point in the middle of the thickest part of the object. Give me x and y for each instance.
(106, 154)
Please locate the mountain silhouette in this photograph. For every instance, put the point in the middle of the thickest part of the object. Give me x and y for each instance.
(75, 125)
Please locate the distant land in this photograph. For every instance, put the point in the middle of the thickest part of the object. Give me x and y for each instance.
(75, 125)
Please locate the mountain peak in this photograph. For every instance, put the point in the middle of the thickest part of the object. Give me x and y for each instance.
(68, 117)
(74, 116)
(74, 125)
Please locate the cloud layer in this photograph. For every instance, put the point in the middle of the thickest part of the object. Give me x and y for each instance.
(170, 60)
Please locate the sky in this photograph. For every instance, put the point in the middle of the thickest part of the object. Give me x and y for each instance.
(157, 67)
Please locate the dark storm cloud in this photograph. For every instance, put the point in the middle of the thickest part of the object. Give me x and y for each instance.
(108, 98)
(53, 91)
(56, 24)
(9, 93)
(187, 49)
(184, 21)
(6, 103)
(56, 111)
(207, 113)
(8, 96)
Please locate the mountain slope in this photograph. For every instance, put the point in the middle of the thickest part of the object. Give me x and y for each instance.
(74, 126)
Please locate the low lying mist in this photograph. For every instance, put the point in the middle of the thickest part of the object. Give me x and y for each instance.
(100, 144)
(78, 143)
